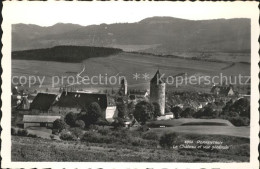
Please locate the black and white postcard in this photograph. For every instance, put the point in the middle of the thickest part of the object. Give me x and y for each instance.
(130, 85)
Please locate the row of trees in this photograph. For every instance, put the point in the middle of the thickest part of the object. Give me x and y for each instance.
(142, 111)
(93, 115)
(237, 112)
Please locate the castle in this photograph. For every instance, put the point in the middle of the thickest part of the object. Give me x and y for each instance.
(157, 91)
(123, 88)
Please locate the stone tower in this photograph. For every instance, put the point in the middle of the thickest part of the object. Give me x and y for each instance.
(123, 87)
(157, 91)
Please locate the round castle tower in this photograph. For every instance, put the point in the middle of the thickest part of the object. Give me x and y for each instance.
(157, 91)
(123, 87)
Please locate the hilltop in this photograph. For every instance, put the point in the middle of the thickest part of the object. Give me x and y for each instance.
(161, 35)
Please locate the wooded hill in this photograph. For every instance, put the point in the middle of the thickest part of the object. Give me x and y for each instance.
(65, 53)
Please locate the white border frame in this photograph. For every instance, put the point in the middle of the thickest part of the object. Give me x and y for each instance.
(11, 10)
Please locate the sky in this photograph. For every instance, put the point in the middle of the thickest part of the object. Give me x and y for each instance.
(88, 13)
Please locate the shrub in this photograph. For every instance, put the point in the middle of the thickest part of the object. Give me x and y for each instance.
(55, 131)
(118, 123)
(94, 137)
(168, 140)
(138, 142)
(150, 136)
(122, 110)
(187, 113)
(52, 136)
(104, 131)
(93, 127)
(143, 111)
(70, 119)
(240, 121)
(59, 125)
(32, 135)
(77, 132)
(93, 113)
(22, 132)
(80, 123)
(176, 111)
(102, 122)
(67, 136)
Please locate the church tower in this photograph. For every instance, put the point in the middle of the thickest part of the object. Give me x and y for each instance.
(123, 88)
(157, 91)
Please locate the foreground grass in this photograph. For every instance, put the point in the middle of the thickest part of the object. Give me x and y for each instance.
(37, 149)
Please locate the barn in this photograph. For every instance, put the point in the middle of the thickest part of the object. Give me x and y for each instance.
(39, 121)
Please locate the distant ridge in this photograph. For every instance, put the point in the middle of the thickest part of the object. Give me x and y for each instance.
(160, 35)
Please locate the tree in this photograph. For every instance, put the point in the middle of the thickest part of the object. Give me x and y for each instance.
(118, 123)
(157, 110)
(59, 125)
(187, 113)
(176, 111)
(167, 109)
(208, 112)
(80, 124)
(70, 119)
(242, 107)
(198, 114)
(143, 111)
(131, 109)
(102, 122)
(122, 110)
(168, 140)
(93, 113)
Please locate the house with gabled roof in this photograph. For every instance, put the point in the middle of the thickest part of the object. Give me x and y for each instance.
(77, 102)
(43, 103)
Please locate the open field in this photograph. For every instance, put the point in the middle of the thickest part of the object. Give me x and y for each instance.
(206, 130)
(199, 126)
(127, 64)
(36, 149)
(188, 121)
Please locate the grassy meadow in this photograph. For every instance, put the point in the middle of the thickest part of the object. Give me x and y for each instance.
(135, 149)
(127, 64)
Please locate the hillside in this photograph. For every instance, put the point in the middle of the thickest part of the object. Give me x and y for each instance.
(162, 35)
(64, 53)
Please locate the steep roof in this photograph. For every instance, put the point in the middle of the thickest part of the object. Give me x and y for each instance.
(76, 99)
(43, 101)
(39, 119)
(157, 78)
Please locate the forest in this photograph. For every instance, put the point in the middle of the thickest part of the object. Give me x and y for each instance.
(72, 54)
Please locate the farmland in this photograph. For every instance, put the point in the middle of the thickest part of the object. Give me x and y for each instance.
(37, 149)
(127, 64)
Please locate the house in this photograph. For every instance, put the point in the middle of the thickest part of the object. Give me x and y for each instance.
(76, 102)
(223, 90)
(138, 94)
(42, 103)
(166, 116)
(39, 121)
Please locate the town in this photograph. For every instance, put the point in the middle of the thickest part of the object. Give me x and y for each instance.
(127, 108)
